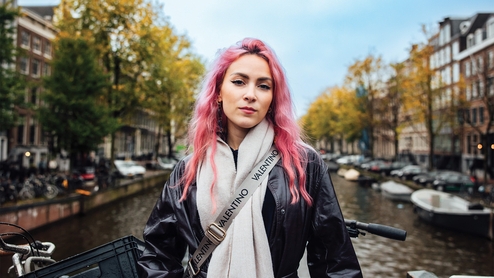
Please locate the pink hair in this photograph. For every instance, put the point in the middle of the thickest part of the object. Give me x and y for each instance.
(204, 124)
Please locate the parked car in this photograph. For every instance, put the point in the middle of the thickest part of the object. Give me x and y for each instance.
(453, 181)
(347, 159)
(408, 172)
(167, 163)
(129, 168)
(368, 165)
(426, 179)
(381, 167)
(362, 161)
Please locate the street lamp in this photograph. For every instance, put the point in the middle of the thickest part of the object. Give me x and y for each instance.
(27, 154)
(479, 146)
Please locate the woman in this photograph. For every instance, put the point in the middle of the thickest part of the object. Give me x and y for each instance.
(244, 108)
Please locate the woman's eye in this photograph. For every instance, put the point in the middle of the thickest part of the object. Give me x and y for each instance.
(265, 87)
(238, 82)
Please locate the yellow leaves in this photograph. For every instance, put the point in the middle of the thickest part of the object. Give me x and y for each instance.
(334, 112)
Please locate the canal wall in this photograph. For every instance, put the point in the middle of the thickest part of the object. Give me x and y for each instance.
(33, 214)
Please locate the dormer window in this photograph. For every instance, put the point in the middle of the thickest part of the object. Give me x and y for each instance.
(490, 28)
(478, 36)
(470, 41)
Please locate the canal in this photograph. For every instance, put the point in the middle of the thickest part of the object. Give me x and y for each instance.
(437, 250)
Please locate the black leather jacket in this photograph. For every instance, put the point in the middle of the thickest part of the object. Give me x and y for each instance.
(173, 226)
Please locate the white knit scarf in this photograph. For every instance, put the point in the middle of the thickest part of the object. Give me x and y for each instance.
(245, 250)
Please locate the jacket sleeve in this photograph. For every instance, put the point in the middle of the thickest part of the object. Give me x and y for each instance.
(330, 252)
(164, 246)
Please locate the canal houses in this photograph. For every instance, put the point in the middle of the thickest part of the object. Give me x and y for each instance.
(461, 65)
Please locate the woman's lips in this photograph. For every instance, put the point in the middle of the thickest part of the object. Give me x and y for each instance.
(247, 110)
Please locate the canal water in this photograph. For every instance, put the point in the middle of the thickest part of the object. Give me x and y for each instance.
(426, 247)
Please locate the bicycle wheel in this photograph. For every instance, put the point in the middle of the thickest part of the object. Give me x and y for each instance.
(27, 193)
(50, 191)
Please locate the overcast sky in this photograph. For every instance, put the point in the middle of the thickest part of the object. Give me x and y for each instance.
(316, 40)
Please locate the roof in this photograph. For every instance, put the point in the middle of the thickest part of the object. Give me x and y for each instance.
(46, 12)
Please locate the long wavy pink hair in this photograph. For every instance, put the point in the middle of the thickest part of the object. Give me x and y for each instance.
(204, 124)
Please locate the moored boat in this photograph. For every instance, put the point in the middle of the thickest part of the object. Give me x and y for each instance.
(341, 172)
(396, 191)
(351, 175)
(452, 212)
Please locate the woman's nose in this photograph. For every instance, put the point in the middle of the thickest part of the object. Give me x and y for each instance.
(250, 94)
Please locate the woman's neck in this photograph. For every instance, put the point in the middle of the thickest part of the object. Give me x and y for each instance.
(234, 139)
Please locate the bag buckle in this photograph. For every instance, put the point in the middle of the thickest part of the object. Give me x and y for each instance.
(215, 233)
(191, 268)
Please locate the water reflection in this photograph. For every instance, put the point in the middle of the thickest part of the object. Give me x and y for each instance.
(430, 248)
(437, 250)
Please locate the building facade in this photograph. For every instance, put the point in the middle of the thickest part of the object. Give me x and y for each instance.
(35, 32)
(476, 62)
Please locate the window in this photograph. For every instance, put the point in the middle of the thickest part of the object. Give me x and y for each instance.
(469, 144)
(481, 115)
(490, 28)
(32, 133)
(47, 49)
(475, 142)
(25, 39)
(448, 55)
(36, 44)
(467, 68)
(46, 69)
(36, 68)
(490, 58)
(474, 116)
(33, 95)
(470, 41)
(480, 64)
(474, 90)
(24, 65)
(490, 86)
(456, 48)
(468, 93)
(20, 134)
(456, 72)
(478, 36)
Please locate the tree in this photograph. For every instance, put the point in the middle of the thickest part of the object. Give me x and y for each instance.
(12, 84)
(117, 30)
(320, 119)
(390, 106)
(174, 76)
(366, 76)
(334, 116)
(74, 113)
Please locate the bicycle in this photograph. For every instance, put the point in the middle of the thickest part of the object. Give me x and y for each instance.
(29, 257)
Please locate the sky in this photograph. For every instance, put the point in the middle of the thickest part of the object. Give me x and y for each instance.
(315, 40)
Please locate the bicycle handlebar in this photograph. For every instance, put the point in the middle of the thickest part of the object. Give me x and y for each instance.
(45, 249)
(377, 229)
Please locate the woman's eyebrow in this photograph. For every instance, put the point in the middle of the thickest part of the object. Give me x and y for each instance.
(243, 75)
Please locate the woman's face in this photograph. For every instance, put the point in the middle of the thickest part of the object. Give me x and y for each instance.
(246, 92)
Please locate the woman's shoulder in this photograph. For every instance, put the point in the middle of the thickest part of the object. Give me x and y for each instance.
(311, 153)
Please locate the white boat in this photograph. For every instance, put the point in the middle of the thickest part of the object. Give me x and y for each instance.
(450, 211)
(396, 191)
(351, 175)
(341, 172)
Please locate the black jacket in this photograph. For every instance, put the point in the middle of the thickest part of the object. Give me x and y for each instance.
(173, 226)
